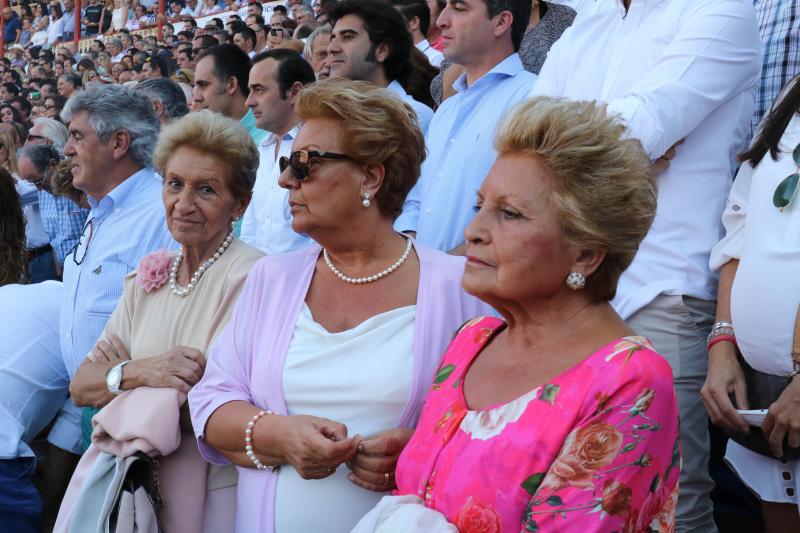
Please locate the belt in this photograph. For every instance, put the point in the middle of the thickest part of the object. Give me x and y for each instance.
(33, 253)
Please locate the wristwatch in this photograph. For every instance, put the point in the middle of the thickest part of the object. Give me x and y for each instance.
(114, 378)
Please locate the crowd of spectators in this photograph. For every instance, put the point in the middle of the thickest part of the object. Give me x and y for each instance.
(400, 265)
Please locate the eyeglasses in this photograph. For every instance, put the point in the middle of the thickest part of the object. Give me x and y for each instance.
(300, 162)
(49, 107)
(79, 253)
(787, 188)
(44, 178)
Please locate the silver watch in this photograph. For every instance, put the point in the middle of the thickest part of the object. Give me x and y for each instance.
(114, 378)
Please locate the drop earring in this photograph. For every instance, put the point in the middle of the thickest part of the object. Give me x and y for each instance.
(365, 202)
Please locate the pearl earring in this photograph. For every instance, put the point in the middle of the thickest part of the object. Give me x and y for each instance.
(576, 281)
(365, 202)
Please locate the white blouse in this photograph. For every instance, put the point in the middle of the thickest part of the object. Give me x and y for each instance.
(361, 378)
(766, 290)
(765, 295)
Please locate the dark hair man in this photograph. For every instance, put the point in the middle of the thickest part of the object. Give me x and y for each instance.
(220, 84)
(370, 42)
(276, 79)
(245, 39)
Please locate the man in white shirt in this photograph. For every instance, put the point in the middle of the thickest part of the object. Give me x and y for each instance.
(245, 39)
(678, 70)
(370, 42)
(276, 78)
(418, 18)
(33, 388)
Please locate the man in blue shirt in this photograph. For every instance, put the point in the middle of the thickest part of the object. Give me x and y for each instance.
(127, 219)
(12, 26)
(484, 39)
(69, 20)
(63, 219)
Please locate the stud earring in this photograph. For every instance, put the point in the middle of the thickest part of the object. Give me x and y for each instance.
(365, 202)
(576, 281)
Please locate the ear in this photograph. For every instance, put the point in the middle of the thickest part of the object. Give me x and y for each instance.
(241, 206)
(503, 23)
(373, 179)
(381, 52)
(120, 143)
(588, 262)
(158, 107)
(232, 86)
(294, 92)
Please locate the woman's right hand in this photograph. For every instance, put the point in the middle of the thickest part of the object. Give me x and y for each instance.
(314, 446)
(724, 376)
(179, 368)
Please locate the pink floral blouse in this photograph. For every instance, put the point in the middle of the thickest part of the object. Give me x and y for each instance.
(594, 449)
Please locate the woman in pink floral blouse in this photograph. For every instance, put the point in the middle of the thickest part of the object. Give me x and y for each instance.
(556, 418)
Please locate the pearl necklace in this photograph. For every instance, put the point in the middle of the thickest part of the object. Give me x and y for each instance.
(173, 274)
(372, 278)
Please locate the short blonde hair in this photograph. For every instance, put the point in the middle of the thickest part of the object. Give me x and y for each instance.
(601, 183)
(215, 135)
(377, 128)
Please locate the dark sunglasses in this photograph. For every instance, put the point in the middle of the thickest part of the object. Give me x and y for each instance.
(300, 161)
(787, 188)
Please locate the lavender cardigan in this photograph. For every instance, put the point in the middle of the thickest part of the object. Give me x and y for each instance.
(246, 361)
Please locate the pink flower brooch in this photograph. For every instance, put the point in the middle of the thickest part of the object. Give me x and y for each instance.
(153, 270)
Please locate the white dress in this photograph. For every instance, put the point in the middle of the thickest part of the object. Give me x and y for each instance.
(360, 377)
(765, 295)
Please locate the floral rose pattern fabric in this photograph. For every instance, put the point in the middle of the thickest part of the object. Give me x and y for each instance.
(594, 449)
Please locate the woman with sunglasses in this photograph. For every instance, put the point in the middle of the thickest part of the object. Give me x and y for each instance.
(313, 387)
(154, 347)
(53, 105)
(757, 308)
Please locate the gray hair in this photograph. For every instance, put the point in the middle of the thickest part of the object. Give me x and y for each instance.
(114, 42)
(307, 50)
(168, 93)
(53, 131)
(112, 108)
(41, 155)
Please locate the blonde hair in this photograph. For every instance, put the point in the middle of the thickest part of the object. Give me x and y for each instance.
(601, 183)
(217, 135)
(376, 128)
(10, 144)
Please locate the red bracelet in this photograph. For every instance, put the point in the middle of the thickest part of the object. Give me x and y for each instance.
(721, 338)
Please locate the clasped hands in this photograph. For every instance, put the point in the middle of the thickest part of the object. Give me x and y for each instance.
(725, 377)
(315, 447)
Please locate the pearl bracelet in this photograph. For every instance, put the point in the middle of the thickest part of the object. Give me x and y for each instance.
(248, 446)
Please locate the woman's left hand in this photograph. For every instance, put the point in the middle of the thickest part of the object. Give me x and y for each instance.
(783, 419)
(374, 463)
